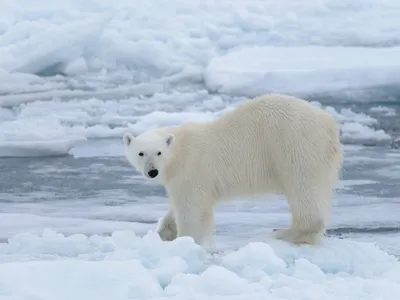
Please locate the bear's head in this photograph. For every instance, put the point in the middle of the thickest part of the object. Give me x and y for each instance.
(148, 153)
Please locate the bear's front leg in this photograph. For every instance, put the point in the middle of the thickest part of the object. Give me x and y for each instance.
(167, 227)
(194, 221)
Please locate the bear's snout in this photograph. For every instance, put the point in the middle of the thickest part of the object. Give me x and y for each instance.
(153, 173)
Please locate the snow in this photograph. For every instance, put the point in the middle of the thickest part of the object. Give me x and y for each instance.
(118, 34)
(158, 62)
(252, 71)
(37, 148)
(390, 241)
(74, 75)
(35, 224)
(386, 111)
(54, 127)
(126, 266)
(98, 250)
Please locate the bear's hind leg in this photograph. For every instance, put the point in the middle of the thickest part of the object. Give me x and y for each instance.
(309, 207)
(300, 235)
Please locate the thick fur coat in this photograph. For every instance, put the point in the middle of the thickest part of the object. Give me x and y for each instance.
(272, 144)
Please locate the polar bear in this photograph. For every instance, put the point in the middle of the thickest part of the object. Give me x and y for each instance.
(271, 144)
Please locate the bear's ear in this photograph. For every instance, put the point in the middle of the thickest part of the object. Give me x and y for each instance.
(170, 139)
(128, 138)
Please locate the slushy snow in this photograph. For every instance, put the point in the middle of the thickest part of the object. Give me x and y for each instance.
(72, 71)
(124, 266)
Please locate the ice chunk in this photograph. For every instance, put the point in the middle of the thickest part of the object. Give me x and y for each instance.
(251, 71)
(126, 266)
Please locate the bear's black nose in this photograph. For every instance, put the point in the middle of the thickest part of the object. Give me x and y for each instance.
(153, 173)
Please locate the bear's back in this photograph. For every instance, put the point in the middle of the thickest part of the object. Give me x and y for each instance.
(249, 148)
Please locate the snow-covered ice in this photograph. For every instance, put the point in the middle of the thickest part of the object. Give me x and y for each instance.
(56, 126)
(386, 111)
(155, 62)
(132, 263)
(125, 266)
(158, 37)
(74, 75)
(258, 70)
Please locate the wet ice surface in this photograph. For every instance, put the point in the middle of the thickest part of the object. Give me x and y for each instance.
(100, 194)
(80, 227)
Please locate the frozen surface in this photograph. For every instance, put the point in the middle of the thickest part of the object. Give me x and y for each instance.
(71, 71)
(79, 227)
(251, 71)
(386, 111)
(124, 266)
(48, 147)
(96, 191)
(162, 37)
(54, 127)
(75, 218)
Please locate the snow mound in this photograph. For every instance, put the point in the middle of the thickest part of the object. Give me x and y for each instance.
(251, 71)
(38, 137)
(125, 266)
(37, 148)
(159, 37)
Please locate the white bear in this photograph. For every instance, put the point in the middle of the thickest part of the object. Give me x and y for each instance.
(272, 144)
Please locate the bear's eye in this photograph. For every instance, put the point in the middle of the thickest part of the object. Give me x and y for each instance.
(159, 153)
(141, 153)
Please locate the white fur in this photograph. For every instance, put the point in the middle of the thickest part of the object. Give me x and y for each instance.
(272, 144)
